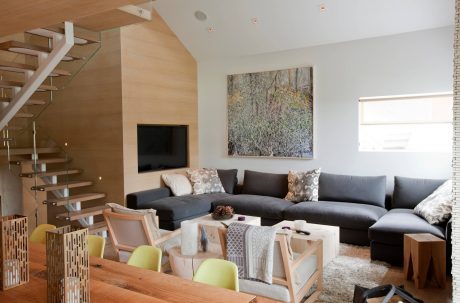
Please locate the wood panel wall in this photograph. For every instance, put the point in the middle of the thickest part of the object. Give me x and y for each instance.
(159, 81)
(87, 114)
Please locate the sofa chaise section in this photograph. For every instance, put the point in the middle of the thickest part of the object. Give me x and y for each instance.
(173, 210)
(387, 235)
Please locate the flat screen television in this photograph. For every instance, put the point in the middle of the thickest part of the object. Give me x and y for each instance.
(161, 147)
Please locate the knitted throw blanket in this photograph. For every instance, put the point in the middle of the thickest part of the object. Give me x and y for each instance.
(251, 249)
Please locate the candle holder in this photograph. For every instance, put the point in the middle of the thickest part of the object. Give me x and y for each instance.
(67, 262)
(14, 251)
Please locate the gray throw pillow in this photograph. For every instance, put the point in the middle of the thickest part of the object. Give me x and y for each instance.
(205, 181)
(437, 207)
(303, 186)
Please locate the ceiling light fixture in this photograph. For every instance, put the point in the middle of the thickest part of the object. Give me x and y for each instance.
(211, 29)
(200, 15)
(322, 8)
(254, 20)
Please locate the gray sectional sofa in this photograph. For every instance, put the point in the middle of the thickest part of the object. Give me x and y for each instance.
(358, 205)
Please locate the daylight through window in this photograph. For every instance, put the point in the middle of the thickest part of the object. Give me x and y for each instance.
(415, 123)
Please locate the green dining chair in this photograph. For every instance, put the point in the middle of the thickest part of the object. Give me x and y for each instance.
(147, 257)
(96, 246)
(218, 272)
(39, 233)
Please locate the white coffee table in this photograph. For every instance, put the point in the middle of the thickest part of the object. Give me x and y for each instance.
(211, 227)
(329, 234)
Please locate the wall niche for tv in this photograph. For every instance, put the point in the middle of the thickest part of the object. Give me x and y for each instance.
(161, 147)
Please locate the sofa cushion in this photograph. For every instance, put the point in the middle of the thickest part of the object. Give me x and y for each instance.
(179, 184)
(303, 185)
(205, 181)
(265, 184)
(409, 192)
(437, 207)
(254, 205)
(176, 208)
(356, 189)
(343, 214)
(229, 179)
(390, 229)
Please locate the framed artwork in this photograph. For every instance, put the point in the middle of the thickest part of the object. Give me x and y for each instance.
(270, 114)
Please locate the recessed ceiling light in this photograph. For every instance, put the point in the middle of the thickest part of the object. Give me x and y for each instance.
(200, 15)
(254, 20)
(211, 29)
(322, 8)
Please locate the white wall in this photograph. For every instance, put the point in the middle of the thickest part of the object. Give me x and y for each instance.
(419, 62)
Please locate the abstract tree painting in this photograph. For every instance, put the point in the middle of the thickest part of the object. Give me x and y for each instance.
(270, 114)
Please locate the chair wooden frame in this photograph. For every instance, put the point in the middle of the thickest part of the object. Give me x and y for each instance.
(108, 214)
(305, 248)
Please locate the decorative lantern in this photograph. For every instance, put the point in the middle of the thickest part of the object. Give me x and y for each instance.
(14, 251)
(67, 263)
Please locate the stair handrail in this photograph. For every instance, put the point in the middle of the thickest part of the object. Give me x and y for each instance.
(46, 64)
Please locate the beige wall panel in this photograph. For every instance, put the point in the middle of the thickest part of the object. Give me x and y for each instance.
(159, 87)
(87, 114)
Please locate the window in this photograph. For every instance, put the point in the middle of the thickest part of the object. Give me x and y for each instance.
(415, 123)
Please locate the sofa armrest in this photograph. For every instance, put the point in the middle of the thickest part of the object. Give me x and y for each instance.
(143, 199)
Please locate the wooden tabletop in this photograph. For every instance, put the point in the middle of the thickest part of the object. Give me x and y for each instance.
(117, 282)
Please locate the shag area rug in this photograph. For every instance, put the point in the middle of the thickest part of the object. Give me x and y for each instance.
(350, 268)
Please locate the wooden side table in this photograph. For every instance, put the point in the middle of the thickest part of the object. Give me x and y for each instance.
(424, 254)
(186, 266)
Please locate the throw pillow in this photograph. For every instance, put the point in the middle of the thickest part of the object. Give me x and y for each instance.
(151, 216)
(205, 181)
(303, 186)
(229, 179)
(179, 184)
(437, 207)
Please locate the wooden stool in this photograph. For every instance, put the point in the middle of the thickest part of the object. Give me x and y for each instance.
(424, 254)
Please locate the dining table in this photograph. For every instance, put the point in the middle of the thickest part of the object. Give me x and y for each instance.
(112, 281)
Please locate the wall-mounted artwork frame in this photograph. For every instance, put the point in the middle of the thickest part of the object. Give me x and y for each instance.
(270, 114)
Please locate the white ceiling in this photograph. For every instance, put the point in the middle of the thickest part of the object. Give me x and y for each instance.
(291, 24)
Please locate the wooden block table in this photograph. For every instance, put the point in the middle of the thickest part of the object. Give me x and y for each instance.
(424, 254)
(329, 234)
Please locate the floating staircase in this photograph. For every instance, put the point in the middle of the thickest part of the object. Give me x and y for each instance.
(45, 171)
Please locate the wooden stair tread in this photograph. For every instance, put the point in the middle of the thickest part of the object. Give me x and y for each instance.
(31, 49)
(62, 185)
(29, 102)
(23, 115)
(48, 32)
(39, 161)
(30, 151)
(75, 199)
(11, 84)
(50, 173)
(20, 68)
(85, 212)
(97, 227)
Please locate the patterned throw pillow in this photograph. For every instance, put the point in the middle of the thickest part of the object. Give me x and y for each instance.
(437, 207)
(205, 181)
(303, 186)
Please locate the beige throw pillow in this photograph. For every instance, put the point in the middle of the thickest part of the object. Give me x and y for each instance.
(179, 184)
(205, 181)
(303, 186)
(437, 207)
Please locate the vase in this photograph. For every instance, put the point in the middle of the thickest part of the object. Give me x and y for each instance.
(189, 238)
(204, 239)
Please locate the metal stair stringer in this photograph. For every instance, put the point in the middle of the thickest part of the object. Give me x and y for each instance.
(46, 64)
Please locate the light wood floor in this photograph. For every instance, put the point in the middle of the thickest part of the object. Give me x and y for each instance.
(430, 294)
